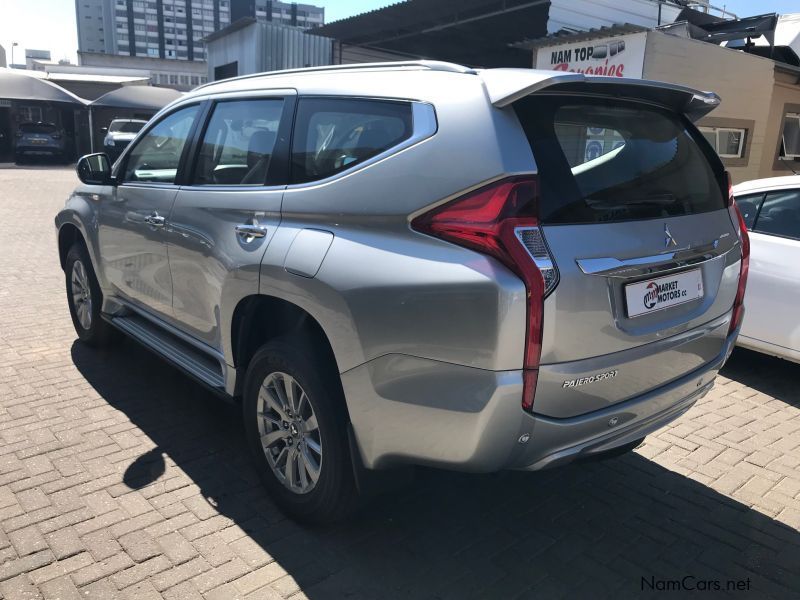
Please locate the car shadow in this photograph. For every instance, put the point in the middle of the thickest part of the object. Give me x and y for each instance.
(767, 374)
(615, 528)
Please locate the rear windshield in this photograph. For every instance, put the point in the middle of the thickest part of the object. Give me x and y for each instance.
(125, 126)
(603, 161)
(37, 128)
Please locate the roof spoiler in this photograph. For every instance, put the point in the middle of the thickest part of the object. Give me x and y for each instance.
(506, 86)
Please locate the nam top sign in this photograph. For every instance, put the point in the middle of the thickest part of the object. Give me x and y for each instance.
(618, 56)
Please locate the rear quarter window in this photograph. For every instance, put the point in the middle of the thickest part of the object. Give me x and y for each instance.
(604, 161)
(334, 134)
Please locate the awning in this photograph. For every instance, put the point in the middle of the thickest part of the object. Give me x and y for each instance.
(18, 85)
(469, 32)
(140, 97)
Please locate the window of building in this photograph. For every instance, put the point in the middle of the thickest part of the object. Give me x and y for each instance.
(780, 214)
(790, 138)
(173, 80)
(727, 141)
(156, 156)
(238, 143)
(334, 134)
(152, 52)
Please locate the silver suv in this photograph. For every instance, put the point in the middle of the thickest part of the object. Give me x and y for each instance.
(418, 263)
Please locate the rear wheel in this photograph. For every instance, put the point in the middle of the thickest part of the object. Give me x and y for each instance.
(296, 428)
(85, 299)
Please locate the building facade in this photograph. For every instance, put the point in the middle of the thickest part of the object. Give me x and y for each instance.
(255, 46)
(181, 75)
(174, 29)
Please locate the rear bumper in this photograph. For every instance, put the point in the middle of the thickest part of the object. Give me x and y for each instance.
(410, 410)
(559, 441)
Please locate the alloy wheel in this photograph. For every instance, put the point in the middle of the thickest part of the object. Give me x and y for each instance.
(289, 432)
(81, 294)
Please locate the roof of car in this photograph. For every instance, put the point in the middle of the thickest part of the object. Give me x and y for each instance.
(423, 79)
(757, 185)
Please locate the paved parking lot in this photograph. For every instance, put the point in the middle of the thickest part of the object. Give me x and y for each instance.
(120, 478)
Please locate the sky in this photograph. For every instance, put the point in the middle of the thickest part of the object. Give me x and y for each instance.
(50, 24)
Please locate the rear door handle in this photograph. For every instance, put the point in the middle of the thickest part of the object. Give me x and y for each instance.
(155, 220)
(251, 231)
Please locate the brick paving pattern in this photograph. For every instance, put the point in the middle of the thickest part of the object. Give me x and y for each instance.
(120, 478)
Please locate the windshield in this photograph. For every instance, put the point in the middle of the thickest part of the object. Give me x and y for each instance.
(125, 126)
(602, 161)
(38, 128)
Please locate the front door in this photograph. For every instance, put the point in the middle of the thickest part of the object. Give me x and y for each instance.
(132, 223)
(226, 215)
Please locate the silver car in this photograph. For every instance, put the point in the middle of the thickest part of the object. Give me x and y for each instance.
(418, 264)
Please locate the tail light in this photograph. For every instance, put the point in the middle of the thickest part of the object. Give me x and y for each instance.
(502, 221)
(744, 267)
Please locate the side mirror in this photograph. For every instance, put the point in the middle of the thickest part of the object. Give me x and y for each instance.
(104, 129)
(94, 169)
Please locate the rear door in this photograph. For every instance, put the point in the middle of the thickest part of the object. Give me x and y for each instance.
(227, 213)
(633, 211)
(774, 281)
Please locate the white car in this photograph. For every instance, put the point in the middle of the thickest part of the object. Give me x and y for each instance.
(771, 211)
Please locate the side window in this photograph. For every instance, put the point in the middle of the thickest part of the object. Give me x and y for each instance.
(156, 156)
(238, 143)
(748, 206)
(780, 214)
(334, 134)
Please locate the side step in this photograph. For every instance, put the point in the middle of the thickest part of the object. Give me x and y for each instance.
(194, 361)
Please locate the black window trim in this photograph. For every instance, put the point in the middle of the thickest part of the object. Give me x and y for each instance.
(121, 165)
(277, 176)
(424, 124)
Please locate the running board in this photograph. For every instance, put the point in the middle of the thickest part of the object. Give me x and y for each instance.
(184, 356)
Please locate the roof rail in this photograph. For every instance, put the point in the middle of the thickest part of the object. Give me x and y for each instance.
(433, 65)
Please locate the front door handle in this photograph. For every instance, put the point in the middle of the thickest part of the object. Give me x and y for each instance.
(251, 231)
(155, 220)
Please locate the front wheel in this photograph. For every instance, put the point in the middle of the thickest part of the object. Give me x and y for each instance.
(296, 427)
(85, 299)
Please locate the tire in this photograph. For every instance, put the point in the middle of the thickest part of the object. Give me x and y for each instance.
(19, 159)
(85, 299)
(332, 496)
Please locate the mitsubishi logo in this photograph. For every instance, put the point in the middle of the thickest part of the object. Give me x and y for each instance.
(668, 239)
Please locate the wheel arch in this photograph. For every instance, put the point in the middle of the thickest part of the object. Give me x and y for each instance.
(68, 234)
(258, 319)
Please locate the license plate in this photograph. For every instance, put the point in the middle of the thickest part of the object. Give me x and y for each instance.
(38, 141)
(652, 295)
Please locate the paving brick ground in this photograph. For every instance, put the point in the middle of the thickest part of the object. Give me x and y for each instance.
(120, 478)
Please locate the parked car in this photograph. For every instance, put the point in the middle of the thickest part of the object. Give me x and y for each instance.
(39, 139)
(119, 135)
(416, 263)
(771, 211)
